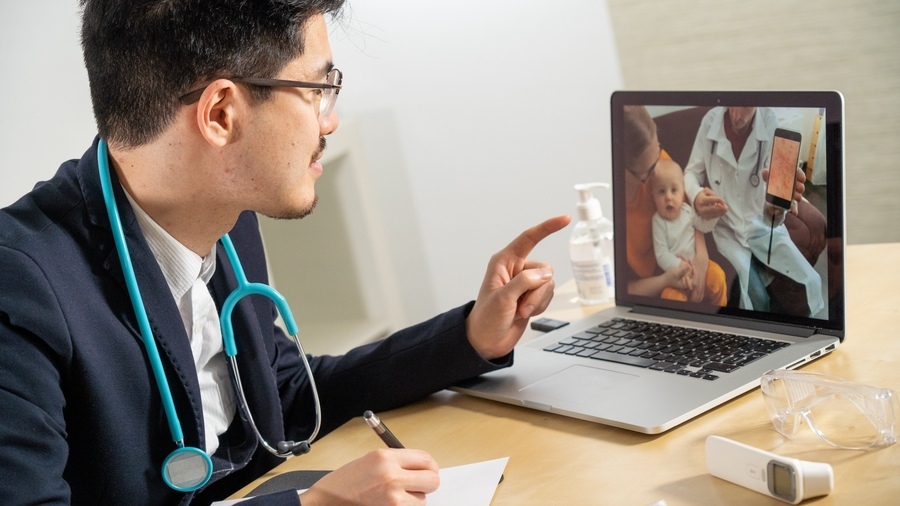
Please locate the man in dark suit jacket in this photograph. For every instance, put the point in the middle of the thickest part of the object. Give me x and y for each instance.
(195, 151)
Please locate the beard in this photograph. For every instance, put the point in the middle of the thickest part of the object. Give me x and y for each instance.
(296, 214)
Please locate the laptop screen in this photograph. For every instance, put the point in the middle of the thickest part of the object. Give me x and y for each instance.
(706, 209)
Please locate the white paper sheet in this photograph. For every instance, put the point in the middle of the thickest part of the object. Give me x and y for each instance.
(470, 484)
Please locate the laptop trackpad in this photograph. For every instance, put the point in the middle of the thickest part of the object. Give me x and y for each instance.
(580, 384)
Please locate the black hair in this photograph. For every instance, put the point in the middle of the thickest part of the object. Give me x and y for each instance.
(141, 55)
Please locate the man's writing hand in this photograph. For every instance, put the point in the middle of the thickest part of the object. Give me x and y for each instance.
(384, 476)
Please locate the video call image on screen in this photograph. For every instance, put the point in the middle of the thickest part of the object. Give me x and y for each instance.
(727, 154)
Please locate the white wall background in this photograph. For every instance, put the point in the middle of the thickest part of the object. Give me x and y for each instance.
(493, 111)
(500, 106)
(45, 104)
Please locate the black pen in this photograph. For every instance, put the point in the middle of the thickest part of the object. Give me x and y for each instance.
(386, 435)
(381, 429)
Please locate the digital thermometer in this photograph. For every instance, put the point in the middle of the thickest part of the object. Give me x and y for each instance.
(784, 478)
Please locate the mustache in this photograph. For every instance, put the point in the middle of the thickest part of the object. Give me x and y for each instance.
(322, 145)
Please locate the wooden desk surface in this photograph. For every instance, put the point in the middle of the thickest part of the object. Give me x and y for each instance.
(560, 460)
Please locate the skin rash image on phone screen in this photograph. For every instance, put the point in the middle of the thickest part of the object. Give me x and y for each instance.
(783, 170)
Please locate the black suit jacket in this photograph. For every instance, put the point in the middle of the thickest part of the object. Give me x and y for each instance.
(81, 420)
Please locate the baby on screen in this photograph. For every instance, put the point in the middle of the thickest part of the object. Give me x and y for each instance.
(676, 232)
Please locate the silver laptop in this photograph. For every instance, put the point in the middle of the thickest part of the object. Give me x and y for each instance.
(652, 362)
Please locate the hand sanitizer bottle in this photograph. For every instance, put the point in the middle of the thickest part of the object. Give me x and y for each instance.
(591, 249)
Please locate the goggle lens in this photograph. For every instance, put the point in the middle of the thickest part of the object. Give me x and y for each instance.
(842, 413)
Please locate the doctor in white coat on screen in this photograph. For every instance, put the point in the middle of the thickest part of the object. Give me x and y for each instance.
(721, 184)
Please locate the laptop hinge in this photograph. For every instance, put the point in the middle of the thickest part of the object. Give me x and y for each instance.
(730, 321)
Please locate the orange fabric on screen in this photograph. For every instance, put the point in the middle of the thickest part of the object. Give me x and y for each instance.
(639, 230)
(716, 288)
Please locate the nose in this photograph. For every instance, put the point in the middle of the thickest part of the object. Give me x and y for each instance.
(328, 124)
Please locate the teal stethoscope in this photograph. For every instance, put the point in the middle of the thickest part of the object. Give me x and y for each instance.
(188, 468)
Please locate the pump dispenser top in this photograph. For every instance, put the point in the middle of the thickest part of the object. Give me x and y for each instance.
(588, 205)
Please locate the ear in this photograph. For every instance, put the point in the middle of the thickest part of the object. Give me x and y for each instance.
(217, 112)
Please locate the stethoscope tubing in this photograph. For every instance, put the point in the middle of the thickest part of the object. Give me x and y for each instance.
(134, 292)
(245, 288)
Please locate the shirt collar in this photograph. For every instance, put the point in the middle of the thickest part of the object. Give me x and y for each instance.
(180, 266)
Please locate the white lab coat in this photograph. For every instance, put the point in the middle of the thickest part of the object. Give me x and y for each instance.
(743, 232)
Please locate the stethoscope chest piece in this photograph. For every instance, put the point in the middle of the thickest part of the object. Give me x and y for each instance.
(187, 469)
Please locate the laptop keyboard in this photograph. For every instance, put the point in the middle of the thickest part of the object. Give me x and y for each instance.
(669, 348)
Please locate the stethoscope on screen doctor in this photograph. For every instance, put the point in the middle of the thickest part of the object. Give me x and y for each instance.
(188, 468)
(754, 177)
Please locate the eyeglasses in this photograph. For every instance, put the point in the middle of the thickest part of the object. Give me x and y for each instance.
(650, 171)
(840, 412)
(327, 96)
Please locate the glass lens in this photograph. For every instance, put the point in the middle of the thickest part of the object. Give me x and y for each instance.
(842, 421)
(780, 397)
(326, 103)
(329, 96)
(842, 413)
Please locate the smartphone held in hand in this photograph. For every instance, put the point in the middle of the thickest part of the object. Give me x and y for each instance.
(783, 168)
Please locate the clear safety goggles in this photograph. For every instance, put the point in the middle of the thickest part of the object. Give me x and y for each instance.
(842, 413)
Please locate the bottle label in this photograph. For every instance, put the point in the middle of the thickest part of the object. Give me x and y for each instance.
(609, 279)
(591, 281)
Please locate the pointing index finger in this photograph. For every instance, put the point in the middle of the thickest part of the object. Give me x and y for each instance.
(527, 240)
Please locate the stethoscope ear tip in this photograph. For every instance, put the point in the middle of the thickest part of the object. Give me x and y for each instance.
(301, 448)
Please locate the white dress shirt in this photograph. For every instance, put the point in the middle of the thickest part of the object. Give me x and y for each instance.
(187, 274)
